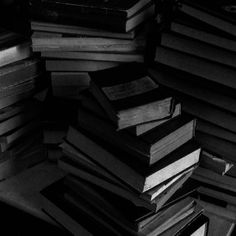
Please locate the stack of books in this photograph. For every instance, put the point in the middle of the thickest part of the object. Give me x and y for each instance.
(129, 159)
(76, 37)
(22, 90)
(196, 60)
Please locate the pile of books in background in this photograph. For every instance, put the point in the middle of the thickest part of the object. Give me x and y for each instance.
(77, 37)
(196, 60)
(129, 158)
(23, 88)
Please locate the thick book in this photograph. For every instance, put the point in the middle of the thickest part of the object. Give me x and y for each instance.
(39, 26)
(8, 139)
(129, 95)
(130, 170)
(215, 145)
(215, 163)
(20, 71)
(124, 213)
(149, 147)
(64, 13)
(193, 86)
(90, 103)
(113, 8)
(204, 68)
(219, 14)
(78, 65)
(13, 47)
(198, 48)
(96, 56)
(196, 29)
(89, 44)
(79, 164)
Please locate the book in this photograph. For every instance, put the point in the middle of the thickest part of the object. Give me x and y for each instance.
(215, 13)
(19, 120)
(201, 31)
(131, 97)
(214, 163)
(184, 223)
(197, 48)
(8, 139)
(62, 13)
(89, 44)
(20, 71)
(135, 173)
(79, 30)
(216, 145)
(147, 147)
(185, 83)
(108, 205)
(13, 47)
(89, 102)
(199, 226)
(78, 164)
(96, 56)
(204, 68)
(58, 209)
(214, 130)
(69, 84)
(78, 65)
(209, 177)
(120, 9)
(152, 200)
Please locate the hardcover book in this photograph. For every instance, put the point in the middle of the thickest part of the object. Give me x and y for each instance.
(103, 15)
(149, 147)
(129, 95)
(129, 168)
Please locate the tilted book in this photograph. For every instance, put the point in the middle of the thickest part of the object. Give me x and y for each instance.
(128, 168)
(129, 95)
(149, 147)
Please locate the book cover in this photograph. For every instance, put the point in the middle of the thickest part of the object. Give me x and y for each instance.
(129, 95)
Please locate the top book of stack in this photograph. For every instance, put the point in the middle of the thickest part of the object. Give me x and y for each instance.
(113, 15)
(129, 96)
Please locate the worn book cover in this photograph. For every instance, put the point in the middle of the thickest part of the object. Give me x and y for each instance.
(129, 95)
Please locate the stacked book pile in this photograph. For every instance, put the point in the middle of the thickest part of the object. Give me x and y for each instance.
(22, 89)
(196, 59)
(76, 37)
(129, 159)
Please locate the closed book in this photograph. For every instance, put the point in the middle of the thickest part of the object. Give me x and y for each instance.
(90, 103)
(198, 48)
(193, 86)
(89, 44)
(129, 95)
(135, 174)
(13, 47)
(65, 14)
(20, 71)
(196, 29)
(149, 147)
(96, 56)
(204, 68)
(116, 208)
(78, 65)
(219, 13)
(113, 8)
(79, 30)
(79, 164)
